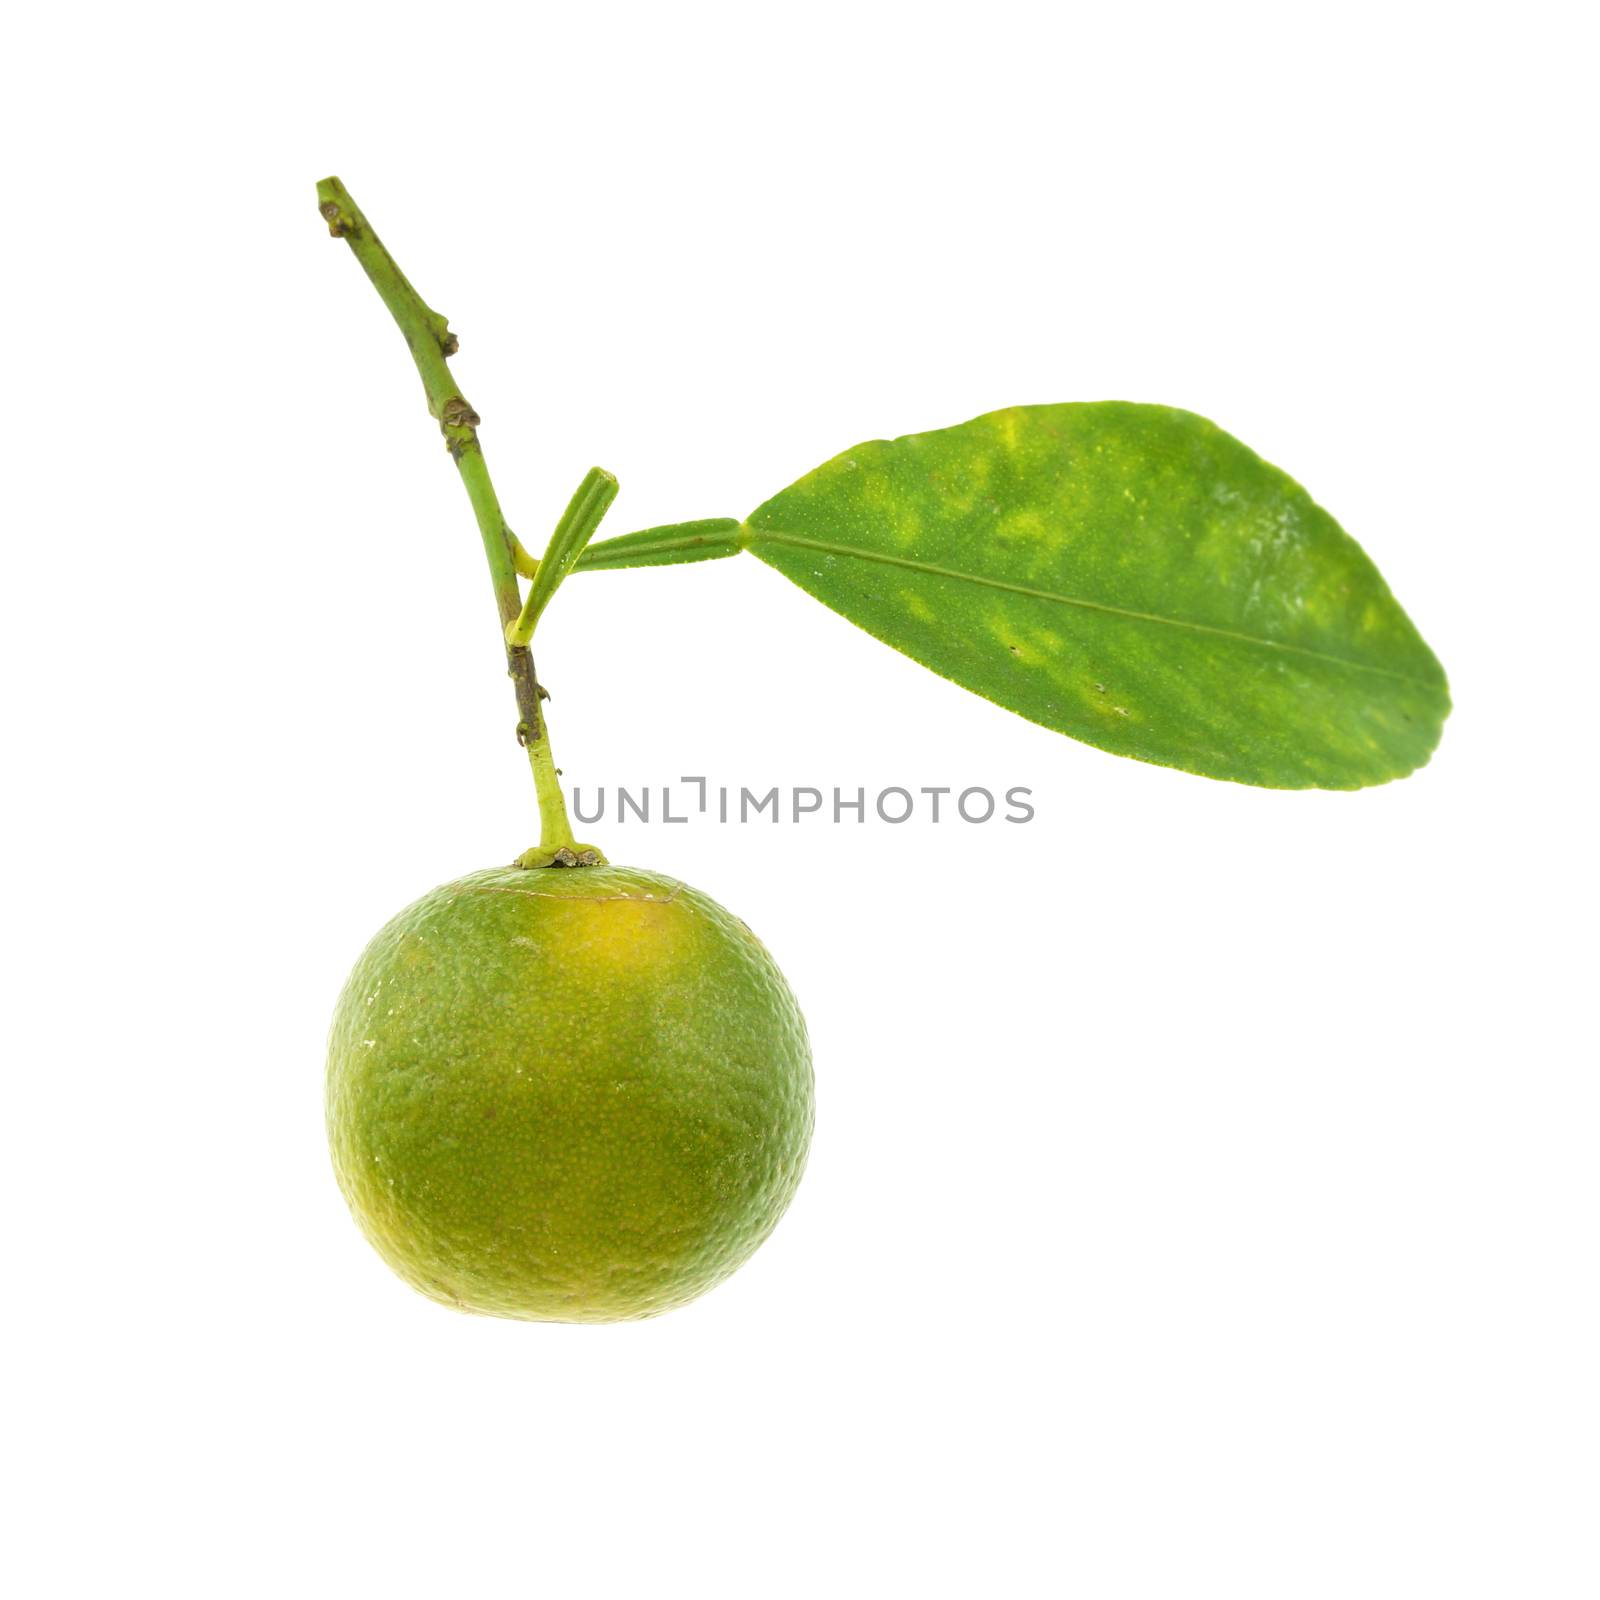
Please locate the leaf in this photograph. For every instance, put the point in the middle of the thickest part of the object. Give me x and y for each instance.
(1127, 574)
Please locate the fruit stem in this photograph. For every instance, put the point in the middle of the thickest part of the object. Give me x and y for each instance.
(556, 831)
(427, 334)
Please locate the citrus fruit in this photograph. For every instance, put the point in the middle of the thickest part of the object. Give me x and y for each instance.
(576, 1095)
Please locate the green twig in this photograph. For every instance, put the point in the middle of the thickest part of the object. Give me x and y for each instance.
(430, 340)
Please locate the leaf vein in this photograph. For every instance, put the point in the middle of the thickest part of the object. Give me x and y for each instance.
(906, 563)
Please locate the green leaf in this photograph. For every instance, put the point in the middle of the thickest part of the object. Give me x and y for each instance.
(1127, 574)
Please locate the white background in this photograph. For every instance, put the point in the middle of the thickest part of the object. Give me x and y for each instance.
(1204, 1191)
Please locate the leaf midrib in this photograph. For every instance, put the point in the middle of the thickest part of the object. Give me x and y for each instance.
(797, 542)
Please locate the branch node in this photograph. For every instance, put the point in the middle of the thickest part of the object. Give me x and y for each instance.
(338, 219)
(456, 413)
(439, 327)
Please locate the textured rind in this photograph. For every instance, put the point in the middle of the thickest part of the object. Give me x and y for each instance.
(567, 1095)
